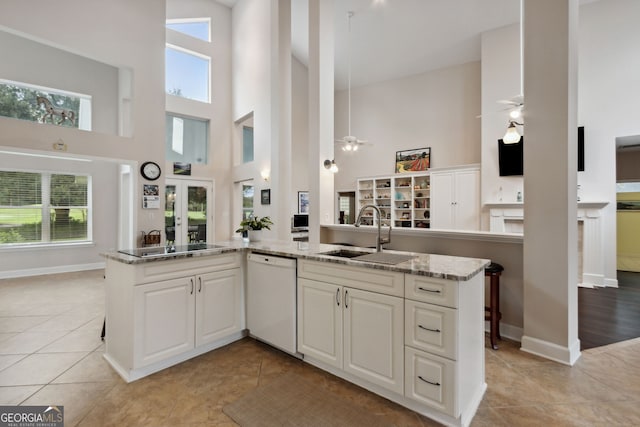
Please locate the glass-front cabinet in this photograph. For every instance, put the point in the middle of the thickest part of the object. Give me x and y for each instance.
(403, 200)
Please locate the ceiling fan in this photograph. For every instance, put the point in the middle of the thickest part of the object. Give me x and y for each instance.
(349, 142)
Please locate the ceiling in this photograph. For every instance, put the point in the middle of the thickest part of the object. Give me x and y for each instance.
(396, 38)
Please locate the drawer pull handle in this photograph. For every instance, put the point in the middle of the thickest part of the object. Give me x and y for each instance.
(435, 291)
(429, 329)
(338, 297)
(429, 382)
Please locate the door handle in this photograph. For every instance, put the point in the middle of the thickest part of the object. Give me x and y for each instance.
(429, 382)
(346, 295)
(338, 297)
(199, 284)
(191, 280)
(429, 329)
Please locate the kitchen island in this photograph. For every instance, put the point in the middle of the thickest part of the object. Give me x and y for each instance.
(411, 331)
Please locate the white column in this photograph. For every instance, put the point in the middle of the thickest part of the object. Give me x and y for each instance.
(550, 156)
(321, 87)
(281, 188)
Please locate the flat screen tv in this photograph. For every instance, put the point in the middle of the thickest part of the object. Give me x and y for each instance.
(510, 156)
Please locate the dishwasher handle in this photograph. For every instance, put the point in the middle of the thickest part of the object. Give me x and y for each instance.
(274, 261)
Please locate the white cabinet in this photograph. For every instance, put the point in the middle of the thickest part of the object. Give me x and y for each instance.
(455, 198)
(320, 321)
(357, 331)
(444, 343)
(162, 313)
(373, 329)
(163, 325)
(218, 306)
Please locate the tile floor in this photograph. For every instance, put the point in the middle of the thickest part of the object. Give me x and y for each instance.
(51, 353)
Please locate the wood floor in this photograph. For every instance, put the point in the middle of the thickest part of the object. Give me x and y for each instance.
(609, 315)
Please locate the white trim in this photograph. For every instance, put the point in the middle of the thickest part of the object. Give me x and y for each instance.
(51, 270)
(507, 331)
(611, 282)
(548, 350)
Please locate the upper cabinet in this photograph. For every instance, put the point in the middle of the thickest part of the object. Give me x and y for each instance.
(455, 198)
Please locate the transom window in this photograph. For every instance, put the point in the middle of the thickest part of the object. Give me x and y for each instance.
(199, 28)
(43, 207)
(187, 139)
(44, 105)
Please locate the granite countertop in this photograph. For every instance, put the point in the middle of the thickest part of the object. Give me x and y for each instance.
(440, 266)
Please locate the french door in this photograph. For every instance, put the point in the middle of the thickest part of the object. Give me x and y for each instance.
(188, 211)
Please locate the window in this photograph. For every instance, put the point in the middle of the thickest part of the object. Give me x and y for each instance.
(247, 199)
(187, 139)
(44, 105)
(187, 74)
(247, 144)
(196, 27)
(42, 207)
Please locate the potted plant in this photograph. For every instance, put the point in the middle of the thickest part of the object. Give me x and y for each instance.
(253, 224)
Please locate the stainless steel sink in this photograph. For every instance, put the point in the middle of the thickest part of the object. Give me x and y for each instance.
(345, 253)
(385, 258)
(376, 257)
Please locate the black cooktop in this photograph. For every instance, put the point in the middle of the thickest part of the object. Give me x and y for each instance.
(167, 250)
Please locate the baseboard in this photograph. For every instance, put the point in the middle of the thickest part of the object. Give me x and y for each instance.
(50, 270)
(565, 355)
(507, 331)
(613, 283)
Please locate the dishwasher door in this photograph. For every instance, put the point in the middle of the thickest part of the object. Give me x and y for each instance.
(271, 300)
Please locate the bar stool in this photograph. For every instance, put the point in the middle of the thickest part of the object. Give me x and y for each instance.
(492, 312)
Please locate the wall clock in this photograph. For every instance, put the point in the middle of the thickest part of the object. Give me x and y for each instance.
(150, 171)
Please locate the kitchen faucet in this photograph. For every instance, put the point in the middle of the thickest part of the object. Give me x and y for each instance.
(381, 240)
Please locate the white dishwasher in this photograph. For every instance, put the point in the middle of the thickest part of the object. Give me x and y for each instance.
(271, 300)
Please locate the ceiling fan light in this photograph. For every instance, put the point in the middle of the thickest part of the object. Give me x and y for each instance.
(515, 114)
(355, 148)
(511, 136)
(347, 147)
(334, 167)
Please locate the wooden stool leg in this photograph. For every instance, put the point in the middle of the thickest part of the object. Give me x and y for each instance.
(493, 310)
(498, 313)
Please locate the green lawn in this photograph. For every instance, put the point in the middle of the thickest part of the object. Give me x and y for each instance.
(32, 215)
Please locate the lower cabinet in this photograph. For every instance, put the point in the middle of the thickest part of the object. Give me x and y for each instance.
(174, 316)
(162, 313)
(430, 380)
(358, 331)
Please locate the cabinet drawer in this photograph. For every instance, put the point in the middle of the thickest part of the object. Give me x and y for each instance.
(368, 279)
(431, 328)
(430, 380)
(183, 267)
(432, 290)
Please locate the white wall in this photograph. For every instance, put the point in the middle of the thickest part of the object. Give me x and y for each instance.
(27, 61)
(261, 64)
(218, 112)
(608, 90)
(436, 109)
(126, 35)
(500, 81)
(299, 131)
(104, 178)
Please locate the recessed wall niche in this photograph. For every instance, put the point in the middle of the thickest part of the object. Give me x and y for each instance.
(42, 66)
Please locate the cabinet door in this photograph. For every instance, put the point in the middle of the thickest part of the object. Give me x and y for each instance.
(320, 321)
(442, 200)
(218, 305)
(373, 338)
(467, 200)
(163, 325)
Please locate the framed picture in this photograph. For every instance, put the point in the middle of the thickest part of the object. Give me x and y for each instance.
(180, 168)
(265, 197)
(150, 196)
(303, 202)
(416, 160)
